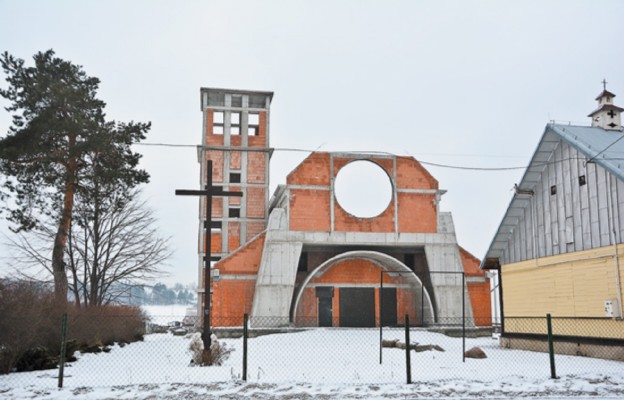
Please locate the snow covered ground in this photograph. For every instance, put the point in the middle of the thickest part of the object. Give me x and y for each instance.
(319, 363)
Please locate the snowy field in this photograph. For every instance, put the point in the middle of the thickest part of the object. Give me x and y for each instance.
(319, 363)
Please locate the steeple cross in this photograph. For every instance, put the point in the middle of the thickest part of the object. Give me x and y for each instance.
(604, 84)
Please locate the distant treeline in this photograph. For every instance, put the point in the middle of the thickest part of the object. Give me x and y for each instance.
(158, 294)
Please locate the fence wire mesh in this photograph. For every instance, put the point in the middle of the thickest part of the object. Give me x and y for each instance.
(109, 350)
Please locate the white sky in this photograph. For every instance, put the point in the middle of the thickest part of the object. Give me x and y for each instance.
(467, 83)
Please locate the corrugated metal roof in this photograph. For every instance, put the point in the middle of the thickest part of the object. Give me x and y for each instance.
(603, 147)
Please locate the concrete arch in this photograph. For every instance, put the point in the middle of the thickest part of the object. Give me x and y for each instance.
(384, 261)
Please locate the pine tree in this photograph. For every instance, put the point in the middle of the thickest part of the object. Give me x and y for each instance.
(58, 138)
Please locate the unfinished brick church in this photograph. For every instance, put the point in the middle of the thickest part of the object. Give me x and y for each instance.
(296, 257)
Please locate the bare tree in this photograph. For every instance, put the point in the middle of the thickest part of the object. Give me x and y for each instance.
(113, 244)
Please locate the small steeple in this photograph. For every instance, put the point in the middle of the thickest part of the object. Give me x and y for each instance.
(607, 115)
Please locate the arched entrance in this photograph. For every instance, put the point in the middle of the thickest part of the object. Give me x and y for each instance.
(345, 291)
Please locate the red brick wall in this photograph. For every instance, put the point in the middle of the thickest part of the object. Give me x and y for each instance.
(417, 213)
(309, 210)
(217, 164)
(233, 200)
(479, 292)
(256, 202)
(314, 170)
(412, 175)
(233, 297)
(213, 140)
(260, 140)
(233, 236)
(345, 222)
(235, 160)
(254, 228)
(217, 206)
(354, 272)
(256, 167)
(310, 207)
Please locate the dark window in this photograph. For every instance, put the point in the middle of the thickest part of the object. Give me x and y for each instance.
(237, 101)
(553, 190)
(234, 213)
(257, 101)
(235, 177)
(216, 99)
(409, 261)
(303, 263)
(582, 180)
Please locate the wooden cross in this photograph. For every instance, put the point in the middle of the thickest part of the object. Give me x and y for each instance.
(209, 191)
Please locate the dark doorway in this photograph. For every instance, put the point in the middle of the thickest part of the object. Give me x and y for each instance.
(389, 307)
(357, 307)
(325, 296)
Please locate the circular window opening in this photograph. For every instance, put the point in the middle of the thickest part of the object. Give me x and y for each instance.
(363, 189)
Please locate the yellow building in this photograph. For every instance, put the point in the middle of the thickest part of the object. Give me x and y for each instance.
(559, 247)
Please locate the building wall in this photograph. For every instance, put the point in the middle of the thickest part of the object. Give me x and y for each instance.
(233, 293)
(311, 210)
(577, 217)
(573, 286)
(252, 166)
(311, 195)
(357, 273)
(478, 289)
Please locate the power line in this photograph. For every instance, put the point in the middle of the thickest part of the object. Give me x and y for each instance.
(429, 163)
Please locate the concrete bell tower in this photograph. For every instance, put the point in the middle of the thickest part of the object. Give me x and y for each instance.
(607, 116)
(235, 136)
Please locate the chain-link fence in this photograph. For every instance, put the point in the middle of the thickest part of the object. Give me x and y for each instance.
(274, 350)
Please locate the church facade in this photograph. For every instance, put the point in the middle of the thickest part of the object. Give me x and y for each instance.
(299, 258)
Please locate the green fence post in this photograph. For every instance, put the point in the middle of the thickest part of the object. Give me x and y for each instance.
(408, 361)
(245, 333)
(551, 347)
(62, 355)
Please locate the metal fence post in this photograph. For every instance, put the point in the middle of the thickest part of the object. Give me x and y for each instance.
(245, 334)
(380, 324)
(422, 304)
(464, 317)
(63, 349)
(408, 361)
(551, 347)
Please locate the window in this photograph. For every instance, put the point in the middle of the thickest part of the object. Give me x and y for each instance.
(234, 212)
(235, 177)
(257, 101)
(409, 260)
(303, 262)
(217, 123)
(553, 190)
(235, 123)
(582, 180)
(237, 101)
(253, 124)
(216, 226)
(216, 99)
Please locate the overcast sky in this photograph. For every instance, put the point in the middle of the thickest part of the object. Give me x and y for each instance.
(463, 83)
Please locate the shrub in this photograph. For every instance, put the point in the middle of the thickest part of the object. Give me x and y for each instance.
(28, 321)
(30, 327)
(219, 351)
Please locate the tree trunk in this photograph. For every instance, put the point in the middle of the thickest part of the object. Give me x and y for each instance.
(60, 240)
